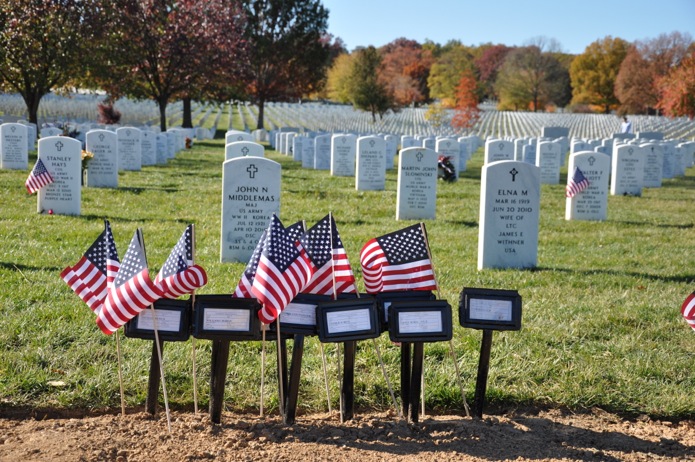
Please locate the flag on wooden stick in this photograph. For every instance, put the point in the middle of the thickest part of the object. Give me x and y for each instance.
(179, 275)
(132, 290)
(576, 184)
(38, 177)
(283, 271)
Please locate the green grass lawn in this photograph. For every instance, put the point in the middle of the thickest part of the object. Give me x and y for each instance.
(601, 312)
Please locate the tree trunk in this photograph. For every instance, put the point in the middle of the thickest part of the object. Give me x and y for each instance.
(32, 100)
(162, 103)
(187, 117)
(261, 107)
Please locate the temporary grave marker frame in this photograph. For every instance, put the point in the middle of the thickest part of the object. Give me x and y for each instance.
(347, 320)
(386, 298)
(224, 317)
(488, 310)
(420, 321)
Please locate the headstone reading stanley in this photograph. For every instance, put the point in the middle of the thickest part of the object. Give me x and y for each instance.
(62, 157)
(417, 184)
(102, 170)
(509, 215)
(250, 197)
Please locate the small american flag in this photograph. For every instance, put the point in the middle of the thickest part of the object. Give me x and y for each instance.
(283, 271)
(38, 178)
(398, 261)
(576, 184)
(325, 249)
(243, 288)
(88, 278)
(179, 275)
(688, 310)
(131, 292)
(295, 231)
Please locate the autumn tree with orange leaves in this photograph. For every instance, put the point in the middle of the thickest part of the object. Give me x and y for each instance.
(677, 89)
(467, 112)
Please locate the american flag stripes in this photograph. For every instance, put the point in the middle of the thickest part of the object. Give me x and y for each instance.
(243, 288)
(179, 275)
(89, 278)
(325, 249)
(688, 310)
(398, 261)
(576, 184)
(283, 271)
(38, 178)
(131, 292)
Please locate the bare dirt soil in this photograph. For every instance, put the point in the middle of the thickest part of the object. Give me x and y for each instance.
(519, 435)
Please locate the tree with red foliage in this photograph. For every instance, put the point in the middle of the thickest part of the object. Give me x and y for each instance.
(677, 89)
(489, 63)
(166, 49)
(406, 66)
(467, 113)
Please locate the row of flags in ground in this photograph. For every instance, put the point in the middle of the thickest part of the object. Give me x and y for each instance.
(118, 290)
(286, 262)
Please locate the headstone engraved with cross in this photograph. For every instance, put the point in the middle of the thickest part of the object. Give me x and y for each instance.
(627, 170)
(496, 150)
(548, 160)
(370, 174)
(669, 165)
(250, 197)
(62, 157)
(343, 149)
(509, 215)
(14, 151)
(148, 147)
(592, 202)
(653, 165)
(391, 150)
(243, 149)
(449, 147)
(417, 184)
(102, 170)
(233, 136)
(322, 152)
(162, 148)
(129, 148)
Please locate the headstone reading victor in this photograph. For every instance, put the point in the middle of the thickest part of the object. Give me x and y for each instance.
(129, 148)
(14, 151)
(250, 197)
(370, 173)
(592, 202)
(627, 170)
(343, 155)
(417, 184)
(102, 170)
(509, 215)
(62, 157)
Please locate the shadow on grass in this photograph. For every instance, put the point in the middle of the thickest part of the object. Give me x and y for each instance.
(115, 219)
(20, 267)
(658, 225)
(685, 278)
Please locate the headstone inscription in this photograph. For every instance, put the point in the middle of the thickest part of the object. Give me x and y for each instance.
(129, 148)
(172, 144)
(148, 147)
(627, 170)
(496, 150)
(307, 153)
(322, 152)
(14, 151)
(391, 150)
(243, 149)
(653, 165)
(62, 157)
(669, 165)
(417, 184)
(548, 160)
(509, 215)
(370, 165)
(250, 197)
(592, 202)
(162, 148)
(102, 170)
(343, 149)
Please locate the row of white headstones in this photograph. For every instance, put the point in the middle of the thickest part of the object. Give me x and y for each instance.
(510, 191)
(112, 149)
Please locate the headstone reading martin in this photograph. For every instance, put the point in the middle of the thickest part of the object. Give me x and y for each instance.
(417, 184)
(509, 215)
(250, 197)
(62, 157)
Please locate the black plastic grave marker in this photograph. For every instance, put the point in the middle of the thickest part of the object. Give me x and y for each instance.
(292, 390)
(218, 375)
(488, 310)
(155, 376)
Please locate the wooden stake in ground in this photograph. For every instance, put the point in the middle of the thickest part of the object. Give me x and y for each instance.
(120, 373)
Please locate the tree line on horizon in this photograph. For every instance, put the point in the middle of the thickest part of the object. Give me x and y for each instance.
(280, 50)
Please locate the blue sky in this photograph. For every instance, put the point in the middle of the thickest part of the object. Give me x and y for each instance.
(573, 23)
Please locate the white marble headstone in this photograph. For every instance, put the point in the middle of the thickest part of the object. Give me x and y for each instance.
(148, 147)
(592, 202)
(102, 170)
(243, 149)
(416, 197)
(250, 197)
(627, 170)
(370, 165)
(162, 145)
(14, 151)
(343, 153)
(129, 148)
(548, 160)
(62, 157)
(496, 150)
(451, 148)
(322, 152)
(509, 215)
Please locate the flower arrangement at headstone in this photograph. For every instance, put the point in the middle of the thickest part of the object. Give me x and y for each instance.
(86, 157)
(189, 143)
(445, 169)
